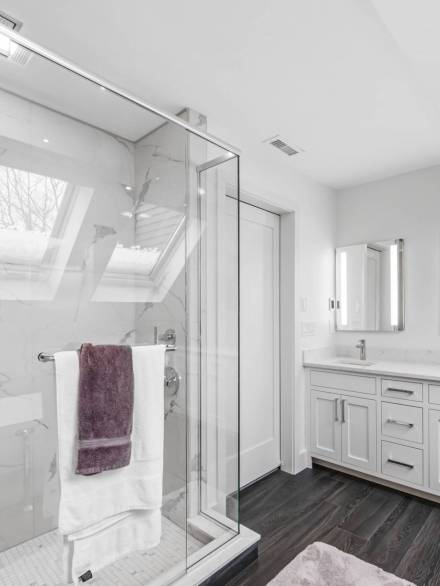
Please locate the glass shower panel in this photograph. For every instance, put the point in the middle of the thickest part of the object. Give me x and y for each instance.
(93, 194)
(213, 357)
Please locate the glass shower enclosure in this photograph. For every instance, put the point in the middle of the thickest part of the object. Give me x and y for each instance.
(118, 225)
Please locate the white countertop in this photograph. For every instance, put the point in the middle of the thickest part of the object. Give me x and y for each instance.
(396, 369)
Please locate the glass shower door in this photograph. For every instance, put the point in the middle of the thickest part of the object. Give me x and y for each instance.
(214, 406)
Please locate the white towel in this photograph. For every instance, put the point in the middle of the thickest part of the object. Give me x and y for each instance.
(92, 506)
(134, 531)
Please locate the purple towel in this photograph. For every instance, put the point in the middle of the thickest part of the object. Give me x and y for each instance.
(105, 409)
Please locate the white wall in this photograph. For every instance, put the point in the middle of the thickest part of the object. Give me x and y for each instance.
(406, 206)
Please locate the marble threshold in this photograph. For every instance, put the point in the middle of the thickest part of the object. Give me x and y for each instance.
(219, 553)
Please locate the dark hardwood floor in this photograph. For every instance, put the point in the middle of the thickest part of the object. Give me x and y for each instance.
(395, 531)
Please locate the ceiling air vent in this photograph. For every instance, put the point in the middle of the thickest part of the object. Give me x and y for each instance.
(282, 146)
(8, 49)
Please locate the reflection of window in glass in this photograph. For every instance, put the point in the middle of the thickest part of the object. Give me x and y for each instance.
(133, 260)
(29, 206)
(155, 230)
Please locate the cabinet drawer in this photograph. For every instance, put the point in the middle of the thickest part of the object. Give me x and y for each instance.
(400, 389)
(434, 394)
(343, 382)
(402, 422)
(402, 462)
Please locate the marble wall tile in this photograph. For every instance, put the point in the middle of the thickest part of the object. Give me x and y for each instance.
(155, 169)
(85, 157)
(161, 181)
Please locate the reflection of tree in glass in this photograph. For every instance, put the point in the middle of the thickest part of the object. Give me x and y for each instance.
(29, 202)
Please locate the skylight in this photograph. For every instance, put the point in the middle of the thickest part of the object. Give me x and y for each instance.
(29, 206)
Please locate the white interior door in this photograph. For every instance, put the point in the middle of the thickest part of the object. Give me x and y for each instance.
(259, 343)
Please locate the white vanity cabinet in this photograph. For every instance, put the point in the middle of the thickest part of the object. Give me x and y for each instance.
(434, 452)
(359, 437)
(343, 429)
(385, 427)
(325, 425)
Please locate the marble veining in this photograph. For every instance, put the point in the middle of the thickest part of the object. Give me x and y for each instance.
(102, 231)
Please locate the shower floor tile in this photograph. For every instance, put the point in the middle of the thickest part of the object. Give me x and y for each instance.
(37, 562)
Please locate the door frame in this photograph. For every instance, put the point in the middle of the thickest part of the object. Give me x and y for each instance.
(293, 458)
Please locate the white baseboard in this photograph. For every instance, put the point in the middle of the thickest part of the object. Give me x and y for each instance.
(302, 461)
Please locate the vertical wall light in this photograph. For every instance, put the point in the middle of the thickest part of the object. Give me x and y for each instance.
(344, 293)
(394, 286)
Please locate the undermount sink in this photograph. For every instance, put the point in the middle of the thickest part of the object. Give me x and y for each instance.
(353, 362)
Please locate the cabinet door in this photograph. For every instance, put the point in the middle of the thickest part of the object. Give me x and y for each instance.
(325, 426)
(434, 449)
(359, 435)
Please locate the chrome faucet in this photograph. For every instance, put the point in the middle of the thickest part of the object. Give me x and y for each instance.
(363, 349)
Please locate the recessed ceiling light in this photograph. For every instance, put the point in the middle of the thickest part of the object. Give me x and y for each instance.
(129, 188)
(46, 140)
(127, 214)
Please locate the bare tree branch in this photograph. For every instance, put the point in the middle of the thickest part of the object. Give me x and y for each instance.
(29, 202)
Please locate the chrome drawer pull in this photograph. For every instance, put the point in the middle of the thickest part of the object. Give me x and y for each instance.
(336, 409)
(410, 466)
(400, 391)
(404, 423)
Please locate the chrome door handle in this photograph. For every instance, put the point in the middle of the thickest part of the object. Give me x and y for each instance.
(343, 410)
(393, 390)
(410, 466)
(336, 409)
(403, 423)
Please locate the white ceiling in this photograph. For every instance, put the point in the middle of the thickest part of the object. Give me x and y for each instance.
(355, 83)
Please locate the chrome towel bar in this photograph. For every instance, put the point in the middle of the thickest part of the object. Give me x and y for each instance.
(45, 357)
(171, 378)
